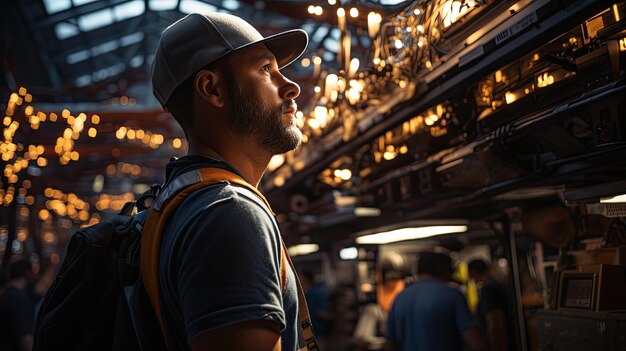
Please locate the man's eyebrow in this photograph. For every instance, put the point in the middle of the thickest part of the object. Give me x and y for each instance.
(266, 56)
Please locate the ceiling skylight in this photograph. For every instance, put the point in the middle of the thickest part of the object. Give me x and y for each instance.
(131, 38)
(231, 4)
(136, 61)
(129, 9)
(81, 2)
(162, 5)
(104, 48)
(54, 6)
(77, 57)
(191, 6)
(65, 30)
(95, 20)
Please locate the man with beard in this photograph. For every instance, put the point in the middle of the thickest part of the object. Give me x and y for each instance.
(219, 265)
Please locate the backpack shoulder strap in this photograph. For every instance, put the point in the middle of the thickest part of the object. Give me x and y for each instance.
(165, 204)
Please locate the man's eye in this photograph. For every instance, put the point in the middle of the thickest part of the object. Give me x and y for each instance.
(266, 68)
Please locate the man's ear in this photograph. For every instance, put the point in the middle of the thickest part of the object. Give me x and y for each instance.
(208, 88)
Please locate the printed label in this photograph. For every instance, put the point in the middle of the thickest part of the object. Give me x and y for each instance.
(517, 27)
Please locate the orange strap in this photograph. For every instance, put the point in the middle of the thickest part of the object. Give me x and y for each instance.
(155, 224)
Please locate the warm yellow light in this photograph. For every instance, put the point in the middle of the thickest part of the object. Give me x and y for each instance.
(345, 174)
(373, 23)
(509, 97)
(92, 132)
(22, 235)
(622, 44)
(319, 10)
(279, 181)
(313, 123)
(317, 60)
(311, 9)
(275, 162)
(306, 62)
(22, 91)
(44, 214)
(120, 133)
(321, 115)
(354, 67)
(177, 143)
(451, 11)
(130, 134)
(341, 12)
(389, 155)
(420, 28)
(431, 119)
(95, 119)
(354, 12)
(498, 76)
(111, 169)
(49, 237)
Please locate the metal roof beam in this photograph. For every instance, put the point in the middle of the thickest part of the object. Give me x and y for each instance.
(75, 12)
(87, 40)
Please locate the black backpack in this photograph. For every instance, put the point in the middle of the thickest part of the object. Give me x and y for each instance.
(97, 301)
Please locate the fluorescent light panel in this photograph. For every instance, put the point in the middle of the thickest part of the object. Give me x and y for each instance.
(614, 199)
(302, 249)
(403, 234)
(349, 253)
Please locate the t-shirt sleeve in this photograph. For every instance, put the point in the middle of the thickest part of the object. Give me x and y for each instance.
(464, 319)
(229, 268)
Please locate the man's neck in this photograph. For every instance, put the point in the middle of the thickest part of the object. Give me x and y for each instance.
(250, 164)
(431, 276)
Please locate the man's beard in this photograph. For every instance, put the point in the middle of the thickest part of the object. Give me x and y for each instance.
(250, 117)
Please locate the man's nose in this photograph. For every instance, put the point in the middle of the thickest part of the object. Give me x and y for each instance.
(289, 89)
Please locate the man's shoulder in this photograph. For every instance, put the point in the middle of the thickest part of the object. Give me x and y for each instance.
(433, 286)
(222, 196)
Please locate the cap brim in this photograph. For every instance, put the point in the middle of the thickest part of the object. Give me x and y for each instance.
(286, 46)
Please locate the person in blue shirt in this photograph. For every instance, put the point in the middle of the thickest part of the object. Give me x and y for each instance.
(431, 314)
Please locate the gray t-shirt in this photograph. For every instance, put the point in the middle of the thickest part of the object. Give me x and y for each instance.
(220, 264)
